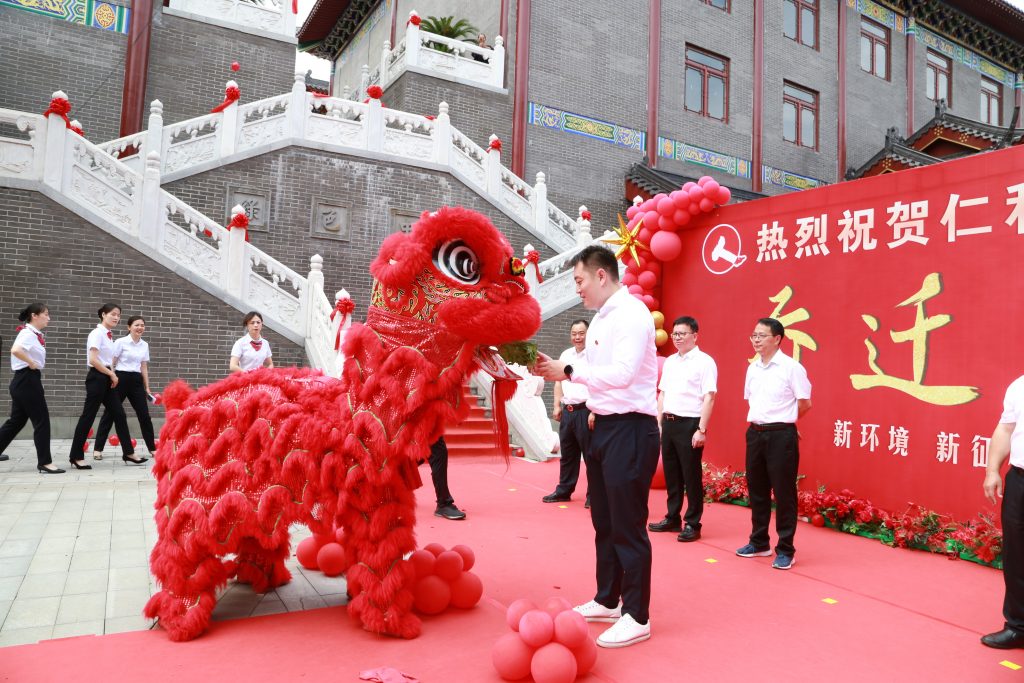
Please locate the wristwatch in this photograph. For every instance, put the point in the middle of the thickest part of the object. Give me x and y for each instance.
(702, 431)
(568, 371)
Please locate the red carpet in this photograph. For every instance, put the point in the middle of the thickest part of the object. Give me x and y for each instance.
(899, 615)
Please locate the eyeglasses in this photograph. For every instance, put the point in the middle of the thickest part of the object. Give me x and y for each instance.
(680, 335)
(759, 337)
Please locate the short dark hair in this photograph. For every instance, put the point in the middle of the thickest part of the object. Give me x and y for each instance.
(595, 256)
(777, 328)
(132, 319)
(579, 321)
(32, 309)
(107, 308)
(249, 316)
(687, 320)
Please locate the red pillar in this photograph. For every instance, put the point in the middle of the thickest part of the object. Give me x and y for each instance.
(841, 66)
(653, 79)
(136, 67)
(394, 22)
(503, 24)
(757, 120)
(521, 97)
(911, 40)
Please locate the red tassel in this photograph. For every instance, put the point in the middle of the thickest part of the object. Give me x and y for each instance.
(501, 391)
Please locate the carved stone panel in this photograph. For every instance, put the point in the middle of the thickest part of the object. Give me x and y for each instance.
(256, 204)
(402, 220)
(330, 220)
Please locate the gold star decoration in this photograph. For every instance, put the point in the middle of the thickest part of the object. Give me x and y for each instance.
(627, 239)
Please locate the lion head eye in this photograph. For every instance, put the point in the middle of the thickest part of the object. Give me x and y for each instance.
(456, 260)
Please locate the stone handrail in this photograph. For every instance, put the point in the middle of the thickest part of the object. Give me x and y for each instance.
(42, 154)
(366, 129)
(272, 18)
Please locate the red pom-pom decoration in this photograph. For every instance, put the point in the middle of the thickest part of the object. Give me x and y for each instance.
(468, 557)
(512, 657)
(375, 92)
(467, 590)
(306, 552)
(536, 628)
(423, 562)
(331, 559)
(448, 565)
(553, 663)
(235, 66)
(431, 595)
(516, 610)
(114, 441)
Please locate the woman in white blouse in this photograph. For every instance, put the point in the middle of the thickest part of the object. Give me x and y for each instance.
(252, 351)
(100, 382)
(131, 365)
(28, 402)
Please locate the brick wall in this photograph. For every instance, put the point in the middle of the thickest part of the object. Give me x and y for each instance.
(53, 256)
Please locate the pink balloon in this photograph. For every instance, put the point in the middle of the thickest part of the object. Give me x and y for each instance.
(724, 195)
(706, 205)
(694, 208)
(646, 232)
(704, 180)
(635, 289)
(651, 218)
(681, 201)
(667, 222)
(516, 610)
(536, 628)
(649, 301)
(553, 663)
(696, 193)
(647, 280)
(641, 263)
(646, 206)
(629, 278)
(655, 268)
(570, 628)
(466, 590)
(556, 605)
(688, 185)
(658, 197)
(653, 305)
(511, 657)
(711, 188)
(586, 656)
(666, 246)
(666, 206)
(682, 218)
(632, 211)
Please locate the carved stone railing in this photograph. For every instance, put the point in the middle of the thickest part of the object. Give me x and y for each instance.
(365, 129)
(271, 18)
(42, 154)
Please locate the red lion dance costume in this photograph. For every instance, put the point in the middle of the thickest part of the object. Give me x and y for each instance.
(242, 459)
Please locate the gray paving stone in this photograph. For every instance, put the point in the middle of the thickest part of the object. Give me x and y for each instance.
(31, 613)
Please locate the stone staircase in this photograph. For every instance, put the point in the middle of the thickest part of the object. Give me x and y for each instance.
(475, 435)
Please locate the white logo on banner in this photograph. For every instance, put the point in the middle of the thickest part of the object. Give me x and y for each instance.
(722, 250)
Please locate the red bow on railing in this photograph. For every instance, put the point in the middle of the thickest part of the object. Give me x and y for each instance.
(76, 127)
(414, 19)
(585, 215)
(295, 6)
(60, 107)
(231, 94)
(533, 256)
(240, 220)
(375, 92)
(495, 144)
(345, 307)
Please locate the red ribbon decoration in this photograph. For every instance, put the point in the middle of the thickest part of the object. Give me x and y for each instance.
(585, 215)
(414, 20)
(60, 107)
(110, 335)
(77, 129)
(295, 6)
(231, 94)
(39, 335)
(257, 344)
(375, 91)
(496, 144)
(533, 257)
(241, 221)
(345, 307)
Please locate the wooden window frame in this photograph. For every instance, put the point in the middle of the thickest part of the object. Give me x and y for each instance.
(813, 6)
(875, 40)
(932, 72)
(705, 72)
(727, 9)
(990, 96)
(802, 105)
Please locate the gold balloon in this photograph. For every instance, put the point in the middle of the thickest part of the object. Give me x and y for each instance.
(659, 319)
(660, 337)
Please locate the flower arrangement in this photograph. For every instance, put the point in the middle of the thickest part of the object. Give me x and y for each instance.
(977, 540)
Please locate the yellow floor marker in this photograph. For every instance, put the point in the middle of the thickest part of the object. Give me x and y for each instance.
(1010, 665)
(711, 560)
(829, 601)
(564, 507)
(513, 489)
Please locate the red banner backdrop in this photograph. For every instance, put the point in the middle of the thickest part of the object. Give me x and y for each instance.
(901, 295)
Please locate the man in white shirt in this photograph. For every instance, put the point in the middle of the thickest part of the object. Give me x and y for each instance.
(621, 374)
(689, 382)
(570, 411)
(1008, 442)
(779, 392)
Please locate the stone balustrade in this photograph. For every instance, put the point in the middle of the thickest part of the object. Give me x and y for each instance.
(271, 18)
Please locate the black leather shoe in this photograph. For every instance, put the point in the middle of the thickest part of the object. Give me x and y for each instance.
(587, 503)
(557, 497)
(665, 525)
(449, 512)
(688, 534)
(4, 456)
(1007, 639)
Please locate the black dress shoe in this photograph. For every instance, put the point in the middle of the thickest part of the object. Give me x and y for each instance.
(587, 503)
(688, 534)
(665, 525)
(77, 464)
(47, 470)
(1007, 639)
(4, 456)
(557, 497)
(449, 512)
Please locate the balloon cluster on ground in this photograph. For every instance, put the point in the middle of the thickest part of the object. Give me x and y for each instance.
(443, 578)
(549, 644)
(659, 219)
(323, 552)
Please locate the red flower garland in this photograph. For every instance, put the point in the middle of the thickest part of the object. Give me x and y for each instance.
(60, 107)
(345, 307)
(231, 94)
(533, 256)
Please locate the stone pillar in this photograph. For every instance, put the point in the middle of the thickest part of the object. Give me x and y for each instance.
(238, 266)
(229, 125)
(151, 224)
(540, 205)
(442, 135)
(498, 63)
(298, 107)
(56, 136)
(492, 169)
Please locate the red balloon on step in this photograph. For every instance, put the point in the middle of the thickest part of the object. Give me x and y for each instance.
(114, 441)
(134, 442)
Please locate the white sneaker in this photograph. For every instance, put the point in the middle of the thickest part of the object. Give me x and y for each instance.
(624, 633)
(595, 611)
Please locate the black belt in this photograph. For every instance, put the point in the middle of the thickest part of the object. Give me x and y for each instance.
(772, 426)
(24, 370)
(1020, 470)
(575, 406)
(623, 416)
(672, 418)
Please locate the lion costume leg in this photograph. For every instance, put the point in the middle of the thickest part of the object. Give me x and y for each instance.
(263, 568)
(188, 594)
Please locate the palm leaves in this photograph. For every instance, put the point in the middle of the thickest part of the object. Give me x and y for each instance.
(449, 28)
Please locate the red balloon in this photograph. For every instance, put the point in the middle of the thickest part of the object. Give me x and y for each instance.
(536, 628)
(696, 193)
(431, 595)
(682, 200)
(448, 565)
(706, 205)
(818, 520)
(711, 188)
(632, 211)
(724, 195)
(306, 552)
(647, 280)
(339, 535)
(114, 441)
(636, 289)
(586, 656)
(681, 217)
(158, 399)
(688, 185)
(646, 232)
(657, 198)
(666, 246)
(666, 222)
(666, 206)
(556, 605)
(694, 208)
(647, 205)
(85, 447)
(466, 590)
(650, 302)
(704, 180)
(655, 268)
(468, 556)
(235, 66)
(134, 442)
(570, 628)
(553, 663)
(435, 548)
(516, 610)
(651, 219)
(423, 562)
(658, 482)
(629, 278)
(511, 657)
(331, 559)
